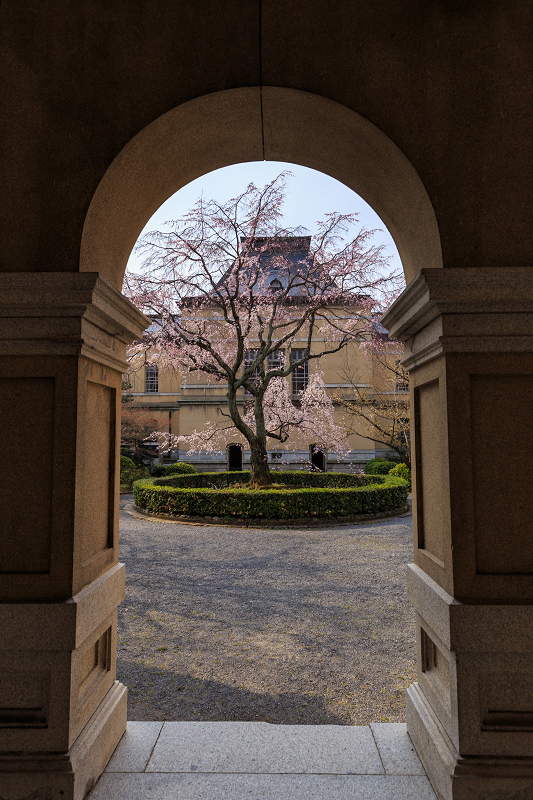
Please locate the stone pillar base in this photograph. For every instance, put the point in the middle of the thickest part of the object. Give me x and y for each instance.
(455, 777)
(71, 775)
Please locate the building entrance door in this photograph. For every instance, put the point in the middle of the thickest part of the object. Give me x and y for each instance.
(318, 459)
(234, 458)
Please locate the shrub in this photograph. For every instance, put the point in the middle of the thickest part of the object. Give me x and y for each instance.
(182, 468)
(378, 466)
(370, 464)
(402, 471)
(130, 472)
(392, 455)
(205, 480)
(137, 458)
(179, 468)
(218, 480)
(378, 495)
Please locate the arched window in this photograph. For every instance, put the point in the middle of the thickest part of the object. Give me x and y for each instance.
(275, 285)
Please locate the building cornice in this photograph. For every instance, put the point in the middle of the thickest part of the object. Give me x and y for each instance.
(57, 313)
(463, 310)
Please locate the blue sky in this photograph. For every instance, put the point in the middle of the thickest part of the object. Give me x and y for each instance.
(310, 195)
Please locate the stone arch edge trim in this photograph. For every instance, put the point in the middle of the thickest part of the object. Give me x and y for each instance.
(228, 127)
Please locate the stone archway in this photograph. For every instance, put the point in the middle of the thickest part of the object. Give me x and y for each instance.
(234, 453)
(469, 352)
(249, 124)
(467, 349)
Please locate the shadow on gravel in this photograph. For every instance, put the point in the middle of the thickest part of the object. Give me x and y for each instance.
(289, 626)
(158, 694)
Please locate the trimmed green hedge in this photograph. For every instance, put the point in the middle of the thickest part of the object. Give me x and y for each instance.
(402, 471)
(179, 468)
(380, 495)
(220, 480)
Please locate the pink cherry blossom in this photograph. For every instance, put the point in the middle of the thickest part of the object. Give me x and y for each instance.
(229, 289)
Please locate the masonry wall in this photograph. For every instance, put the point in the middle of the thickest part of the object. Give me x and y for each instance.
(443, 80)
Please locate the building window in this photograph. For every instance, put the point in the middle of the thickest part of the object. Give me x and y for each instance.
(151, 379)
(402, 386)
(402, 377)
(255, 377)
(300, 374)
(276, 360)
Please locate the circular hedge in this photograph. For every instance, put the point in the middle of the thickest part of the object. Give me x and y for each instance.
(294, 495)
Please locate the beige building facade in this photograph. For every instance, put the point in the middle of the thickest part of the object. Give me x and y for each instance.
(182, 404)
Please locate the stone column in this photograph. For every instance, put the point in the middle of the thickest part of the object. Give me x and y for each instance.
(469, 350)
(62, 351)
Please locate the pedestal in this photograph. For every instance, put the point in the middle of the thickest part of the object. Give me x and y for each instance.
(62, 353)
(469, 350)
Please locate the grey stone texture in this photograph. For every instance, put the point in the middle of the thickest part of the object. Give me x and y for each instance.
(249, 760)
(396, 749)
(135, 747)
(262, 747)
(262, 787)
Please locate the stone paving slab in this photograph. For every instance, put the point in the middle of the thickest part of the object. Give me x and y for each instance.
(396, 749)
(135, 747)
(260, 761)
(261, 787)
(259, 747)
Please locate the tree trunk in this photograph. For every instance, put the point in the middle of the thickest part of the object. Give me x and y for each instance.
(258, 453)
(261, 476)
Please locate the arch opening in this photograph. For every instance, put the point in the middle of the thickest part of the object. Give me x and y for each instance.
(226, 128)
(234, 457)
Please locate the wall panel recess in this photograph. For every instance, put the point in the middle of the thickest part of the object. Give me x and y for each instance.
(27, 414)
(502, 449)
(99, 472)
(429, 466)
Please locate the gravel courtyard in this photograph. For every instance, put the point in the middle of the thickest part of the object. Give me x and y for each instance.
(307, 626)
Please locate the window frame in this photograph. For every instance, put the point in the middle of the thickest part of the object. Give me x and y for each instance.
(255, 377)
(299, 375)
(151, 379)
(276, 360)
